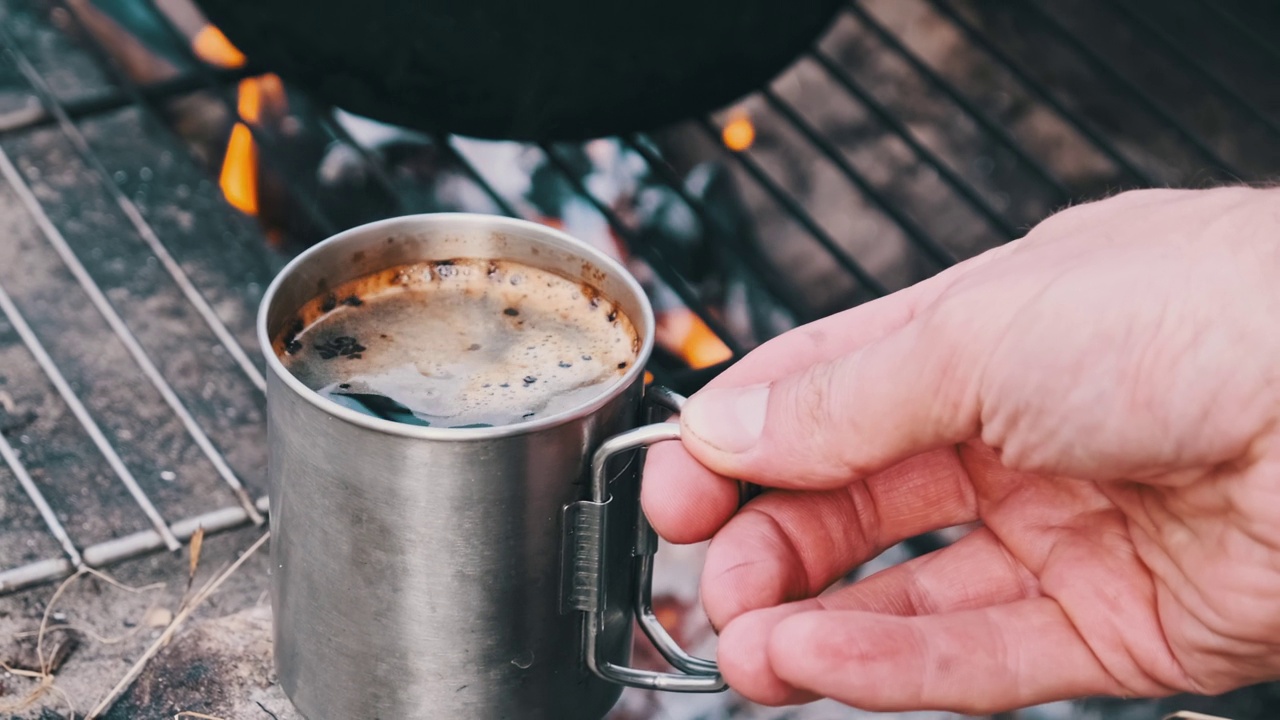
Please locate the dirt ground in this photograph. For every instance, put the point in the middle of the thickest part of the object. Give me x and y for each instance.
(219, 664)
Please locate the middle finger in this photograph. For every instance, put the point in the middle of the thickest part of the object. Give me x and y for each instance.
(790, 545)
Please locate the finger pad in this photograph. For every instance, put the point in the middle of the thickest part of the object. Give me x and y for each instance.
(685, 502)
(744, 661)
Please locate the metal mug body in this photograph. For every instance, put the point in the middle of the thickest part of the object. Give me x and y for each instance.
(417, 572)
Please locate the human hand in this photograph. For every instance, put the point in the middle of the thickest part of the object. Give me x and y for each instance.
(1102, 395)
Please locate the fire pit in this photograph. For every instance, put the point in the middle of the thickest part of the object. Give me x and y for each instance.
(154, 180)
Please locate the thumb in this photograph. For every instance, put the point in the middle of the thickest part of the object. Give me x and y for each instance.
(842, 419)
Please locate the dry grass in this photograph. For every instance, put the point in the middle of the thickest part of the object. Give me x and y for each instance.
(45, 674)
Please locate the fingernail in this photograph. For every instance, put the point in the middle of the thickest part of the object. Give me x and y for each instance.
(728, 419)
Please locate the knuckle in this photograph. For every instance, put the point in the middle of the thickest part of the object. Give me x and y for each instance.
(839, 423)
(816, 412)
(866, 515)
(817, 406)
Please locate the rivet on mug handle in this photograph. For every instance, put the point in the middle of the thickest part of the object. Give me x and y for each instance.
(587, 522)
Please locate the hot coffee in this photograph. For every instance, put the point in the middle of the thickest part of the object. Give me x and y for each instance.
(460, 343)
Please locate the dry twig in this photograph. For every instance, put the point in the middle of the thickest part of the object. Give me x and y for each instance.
(184, 612)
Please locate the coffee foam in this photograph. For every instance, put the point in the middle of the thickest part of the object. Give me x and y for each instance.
(461, 342)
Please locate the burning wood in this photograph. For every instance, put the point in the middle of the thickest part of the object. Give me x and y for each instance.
(257, 98)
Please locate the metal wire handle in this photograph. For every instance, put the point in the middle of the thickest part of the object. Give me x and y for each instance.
(590, 570)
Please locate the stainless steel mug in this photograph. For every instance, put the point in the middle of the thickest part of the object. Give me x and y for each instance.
(470, 573)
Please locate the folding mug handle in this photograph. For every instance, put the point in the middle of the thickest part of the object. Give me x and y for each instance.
(585, 524)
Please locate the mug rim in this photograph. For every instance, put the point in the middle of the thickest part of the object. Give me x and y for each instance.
(490, 222)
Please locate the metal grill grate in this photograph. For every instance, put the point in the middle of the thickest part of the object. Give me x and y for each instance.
(130, 388)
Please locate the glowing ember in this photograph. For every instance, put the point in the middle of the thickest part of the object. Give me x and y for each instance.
(211, 46)
(239, 178)
(739, 134)
(685, 334)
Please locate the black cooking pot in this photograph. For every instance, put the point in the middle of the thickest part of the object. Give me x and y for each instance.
(524, 69)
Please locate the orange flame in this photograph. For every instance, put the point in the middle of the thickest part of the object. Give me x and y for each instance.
(739, 133)
(685, 334)
(249, 105)
(239, 178)
(257, 98)
(211, 46)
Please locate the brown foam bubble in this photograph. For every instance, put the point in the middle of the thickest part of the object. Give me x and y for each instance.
(460, 342)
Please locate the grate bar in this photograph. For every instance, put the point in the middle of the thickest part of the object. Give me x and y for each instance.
(975, 113)
(767, 275)
(19, 121)
(136, 219)
(1036, 88)
(127, 547)
(800, 215)
(913, 231)
(126, 336)
(86, 420)
(380, 176)
(37, 498)
(36, 573)
(1162, 38)
(1241, 27)
(447, 146)
(962, 187)
(651, 254)
(1142, 97)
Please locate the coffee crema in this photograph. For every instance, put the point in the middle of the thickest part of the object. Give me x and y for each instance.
(460, 343)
